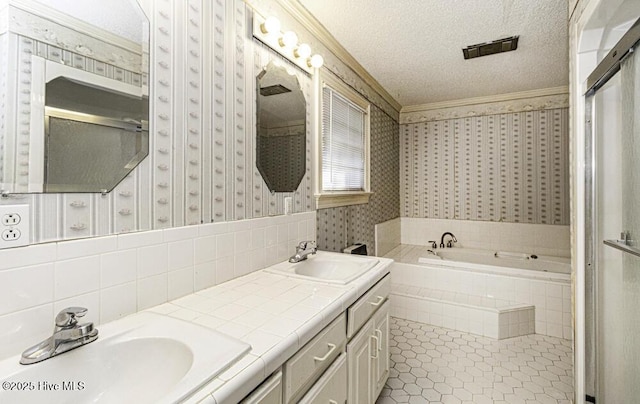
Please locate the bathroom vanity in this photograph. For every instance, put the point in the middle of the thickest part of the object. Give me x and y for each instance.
(348, 361)
(266, 337)
(342, 354)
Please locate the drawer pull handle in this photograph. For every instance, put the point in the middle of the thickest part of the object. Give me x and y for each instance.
(375, 349)
(332, 348)
(379, 302)
(379, 338)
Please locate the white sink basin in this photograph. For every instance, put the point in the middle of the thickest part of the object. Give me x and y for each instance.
(144, 358)
(327, 267)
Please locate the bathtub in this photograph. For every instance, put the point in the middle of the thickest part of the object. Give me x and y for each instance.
(500, 279)
(461, 257)
(498, 262)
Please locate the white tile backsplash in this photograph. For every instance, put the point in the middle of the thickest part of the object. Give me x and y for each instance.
(118, 267)
(181, 254)
(153, 260)
(118, 275)
(118, 301)
(76, 277)
(25, 287)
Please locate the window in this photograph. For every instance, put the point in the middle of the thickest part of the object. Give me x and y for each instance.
(344, 146)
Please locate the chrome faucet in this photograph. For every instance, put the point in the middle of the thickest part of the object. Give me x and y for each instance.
(450, 242)
(303, 250)
(67, 335)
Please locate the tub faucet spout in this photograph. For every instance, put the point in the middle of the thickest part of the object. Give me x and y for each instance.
(449, 242)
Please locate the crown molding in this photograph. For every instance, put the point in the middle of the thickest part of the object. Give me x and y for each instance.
(538, 100)
(544, 92)
(303, 16)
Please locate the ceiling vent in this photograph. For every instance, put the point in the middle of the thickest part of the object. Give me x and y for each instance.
(274, 90)
(490, 48)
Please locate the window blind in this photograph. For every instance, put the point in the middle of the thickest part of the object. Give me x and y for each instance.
(343, 143)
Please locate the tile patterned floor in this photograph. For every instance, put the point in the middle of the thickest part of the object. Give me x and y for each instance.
(436, 365)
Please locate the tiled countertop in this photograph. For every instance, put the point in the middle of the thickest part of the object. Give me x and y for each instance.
(275, 314)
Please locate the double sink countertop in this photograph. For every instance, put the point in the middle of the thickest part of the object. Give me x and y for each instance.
(275, 314)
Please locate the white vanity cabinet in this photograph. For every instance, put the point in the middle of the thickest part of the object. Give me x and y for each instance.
(381, 358)
(269, 392)
(332, 386)
(303, 369)
(368, 350)
(346, 362)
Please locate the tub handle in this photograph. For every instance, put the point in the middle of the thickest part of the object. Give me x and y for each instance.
(379, 302)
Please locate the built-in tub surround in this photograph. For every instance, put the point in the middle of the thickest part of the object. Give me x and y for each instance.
(115, 276)
(552, 240)
(388, 235)
(478, 285)
(495, 261)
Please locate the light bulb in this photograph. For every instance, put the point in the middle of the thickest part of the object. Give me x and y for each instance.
(289, 39)
(270, 26)
(303, 51)
(315, 61)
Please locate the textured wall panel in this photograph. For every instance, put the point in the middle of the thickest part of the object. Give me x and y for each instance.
(506, 167)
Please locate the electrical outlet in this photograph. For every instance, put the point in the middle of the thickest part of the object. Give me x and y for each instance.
(11, 234)
(14, 225)
(11, 219)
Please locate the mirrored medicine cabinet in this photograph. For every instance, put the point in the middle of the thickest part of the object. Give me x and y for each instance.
(281, 129)
(75, 79)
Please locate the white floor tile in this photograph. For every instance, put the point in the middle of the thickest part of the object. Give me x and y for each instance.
(433, 364)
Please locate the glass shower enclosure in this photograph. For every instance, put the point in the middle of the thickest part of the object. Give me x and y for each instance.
(612, 271)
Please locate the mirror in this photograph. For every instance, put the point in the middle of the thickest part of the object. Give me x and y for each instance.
(281, 129)
(79, 122)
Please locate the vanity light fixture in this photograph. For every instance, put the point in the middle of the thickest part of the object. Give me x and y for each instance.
(303, 51)
(267, 31)
(315, 61)
(289, 40)
(270, 26)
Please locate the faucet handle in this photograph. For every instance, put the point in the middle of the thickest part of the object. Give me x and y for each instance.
(433, 244)
(67, 318)
(304, 244)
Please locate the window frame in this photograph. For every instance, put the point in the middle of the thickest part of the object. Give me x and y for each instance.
(332, 199)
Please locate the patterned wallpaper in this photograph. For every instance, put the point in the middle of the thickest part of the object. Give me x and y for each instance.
(339, 227)
(510, 167)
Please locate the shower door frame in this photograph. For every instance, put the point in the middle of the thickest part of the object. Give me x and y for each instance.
(606, 69)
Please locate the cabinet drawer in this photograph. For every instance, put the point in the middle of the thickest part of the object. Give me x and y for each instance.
(269, 392)
(332, 386)
(304, 368)
(363, 308)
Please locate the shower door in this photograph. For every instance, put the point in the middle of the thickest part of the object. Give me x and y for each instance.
(613, 226)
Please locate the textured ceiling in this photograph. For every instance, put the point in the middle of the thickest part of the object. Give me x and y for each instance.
(413, 47)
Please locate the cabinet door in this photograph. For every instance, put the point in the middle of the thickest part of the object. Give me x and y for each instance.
(269, 392)
(359, 364)
(332, 386)
(381, 363)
